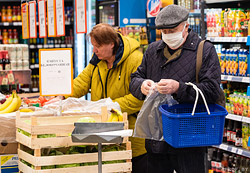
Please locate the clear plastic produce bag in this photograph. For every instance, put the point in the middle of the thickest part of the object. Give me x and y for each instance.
(149, 122)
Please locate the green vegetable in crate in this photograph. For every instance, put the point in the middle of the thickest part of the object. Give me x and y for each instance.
(46, 136)
(23, 132)
(49, 167)
(68, 165)
(86, 120)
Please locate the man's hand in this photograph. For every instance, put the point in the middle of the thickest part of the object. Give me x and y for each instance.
(146, 86)
(167, 86)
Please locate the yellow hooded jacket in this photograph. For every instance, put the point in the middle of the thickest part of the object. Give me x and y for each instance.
(114, 83)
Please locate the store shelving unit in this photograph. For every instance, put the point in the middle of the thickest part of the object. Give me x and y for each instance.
(233, 149)
(229, 40)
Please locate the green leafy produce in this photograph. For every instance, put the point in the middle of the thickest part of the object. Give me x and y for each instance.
(49, 167)
(46, 136)
(86, 120)
(68, 165)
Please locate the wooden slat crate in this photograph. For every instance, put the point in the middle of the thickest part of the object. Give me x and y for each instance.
(62, 126)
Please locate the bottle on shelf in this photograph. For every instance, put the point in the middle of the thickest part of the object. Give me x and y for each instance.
(19, 16)
(14, 14)
(213, 161)
(1, 37)
(5, 36)
(224, 162)
(15, 36)
(225, 131)
(230, 164)
(1, 61)
(218, 161)
(6, 60)
(229, 132)
(4, 14)
(238, 140)
(10, 39)
(9, 14)
(233, 134)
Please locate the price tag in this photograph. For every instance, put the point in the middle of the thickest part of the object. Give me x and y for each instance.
(246, 79)
(32, 66)
(63, 45)
(60, 19)
(57, 45)
(25, 20)
(224, 147)
(246, 119)
(51, 46)
(69, 45)
(45, 46)
(32, 19)
(234, 149)
(51, 18)
(81, 23)
(42, 18)
(32, 46)
(35, 89)
(240, 151)
(39, 46)
(36, 65)
(6, 24)
(229, 78)
(15, 24)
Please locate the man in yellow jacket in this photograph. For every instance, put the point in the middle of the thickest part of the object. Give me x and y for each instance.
(108, 73)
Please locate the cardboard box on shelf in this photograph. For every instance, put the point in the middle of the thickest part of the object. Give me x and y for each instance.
(9, 163)
(8, 148)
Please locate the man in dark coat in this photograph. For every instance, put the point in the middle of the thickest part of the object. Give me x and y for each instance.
(167, 65)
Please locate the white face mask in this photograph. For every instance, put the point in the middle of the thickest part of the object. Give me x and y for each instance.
(173, 40)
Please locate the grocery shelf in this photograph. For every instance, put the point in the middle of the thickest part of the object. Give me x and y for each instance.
(233, 149)
(228, 39)
(221, 1)
(11, 24)
(238, 118)
(41, 46)
(235, 78)
(19, 76)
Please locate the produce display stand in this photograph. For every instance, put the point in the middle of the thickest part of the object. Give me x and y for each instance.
(90, 133)
(62, 126)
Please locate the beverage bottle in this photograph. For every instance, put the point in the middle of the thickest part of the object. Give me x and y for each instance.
(1, 37)
(218, 161)
(248, 165)
(238, 140)
(4, 15)
(230, 164)
(15, 36)
(229, 132)
(233, 134)
(213, 161)
(237, 167)
(5, 36)
(243, 165)
(6, 60)
(225, 131)
(234, 164)
(1, 61)
(14, 14)
(10, 36)
(19, 16)
(9, 14)
(224, 163)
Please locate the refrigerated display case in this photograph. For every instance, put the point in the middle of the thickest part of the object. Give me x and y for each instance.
(107, 12)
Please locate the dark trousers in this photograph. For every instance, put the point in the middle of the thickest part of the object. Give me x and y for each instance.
(162, 158)
(139, 164)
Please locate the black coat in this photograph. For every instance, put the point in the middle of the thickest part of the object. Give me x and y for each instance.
(181, 69)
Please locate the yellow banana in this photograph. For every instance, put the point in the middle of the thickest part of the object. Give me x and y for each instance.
(115, 118)
(6, 103)
(19, 102)
(26, 110)
(120, 117)
(11, 107)
(110, 118)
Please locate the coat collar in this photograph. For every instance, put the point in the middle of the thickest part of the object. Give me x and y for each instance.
(191, 42)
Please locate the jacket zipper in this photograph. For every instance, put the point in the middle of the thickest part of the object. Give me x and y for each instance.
(106, 84)
(100, 78)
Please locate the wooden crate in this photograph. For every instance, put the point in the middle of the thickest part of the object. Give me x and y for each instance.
(62, 126)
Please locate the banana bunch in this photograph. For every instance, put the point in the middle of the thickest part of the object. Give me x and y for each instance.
(12, 104)
(115, 116)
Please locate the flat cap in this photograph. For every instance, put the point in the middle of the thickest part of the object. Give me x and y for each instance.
(171, 16)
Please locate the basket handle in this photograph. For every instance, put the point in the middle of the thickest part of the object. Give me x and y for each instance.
(197, 96)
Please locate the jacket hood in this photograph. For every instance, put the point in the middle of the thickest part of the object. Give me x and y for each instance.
(126, 47)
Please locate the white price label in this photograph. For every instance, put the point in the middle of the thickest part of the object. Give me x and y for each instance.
(240, 151)
(223, 147)
(46, 46)
(234, 149)
(6, 24)
(39, 46)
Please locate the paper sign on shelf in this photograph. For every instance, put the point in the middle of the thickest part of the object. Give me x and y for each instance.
(81, 17)
(42, 18)
(25, 20)
(32, 19)
(51, 11)
(56, 72)
(60, 19)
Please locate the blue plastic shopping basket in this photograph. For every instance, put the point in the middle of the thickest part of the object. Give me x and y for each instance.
(182, 129)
